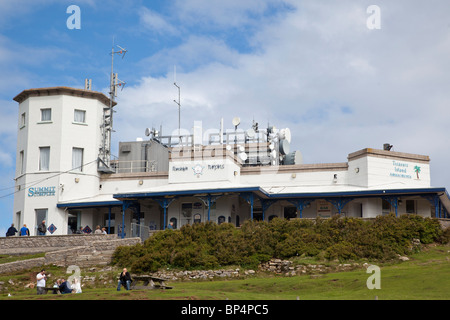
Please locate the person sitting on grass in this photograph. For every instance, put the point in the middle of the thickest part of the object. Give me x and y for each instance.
(65, 287)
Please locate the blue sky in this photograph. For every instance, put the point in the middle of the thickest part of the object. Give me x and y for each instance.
(313, 66)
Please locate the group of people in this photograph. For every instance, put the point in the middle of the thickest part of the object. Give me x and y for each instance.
(98, 230)
(24, 231)
(62, 284)
(42, 230)
(65, 286)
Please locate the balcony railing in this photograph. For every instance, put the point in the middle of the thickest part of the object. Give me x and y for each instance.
(134, 166)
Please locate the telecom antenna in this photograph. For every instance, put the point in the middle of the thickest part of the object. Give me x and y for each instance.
(177, 102)
(107, 125)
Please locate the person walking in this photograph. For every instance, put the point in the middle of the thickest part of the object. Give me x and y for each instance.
(24, 231)
(11, 231)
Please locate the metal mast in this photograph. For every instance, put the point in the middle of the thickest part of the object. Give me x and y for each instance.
(104, 163)
(177, 102)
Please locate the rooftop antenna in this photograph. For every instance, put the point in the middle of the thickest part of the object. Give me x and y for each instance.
(179, 100)
(107, 126)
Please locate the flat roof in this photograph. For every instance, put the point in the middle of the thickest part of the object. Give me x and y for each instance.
(54, 91)
(93, 202)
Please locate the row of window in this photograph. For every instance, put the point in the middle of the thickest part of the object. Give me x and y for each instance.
(79, 116)
(44, 159)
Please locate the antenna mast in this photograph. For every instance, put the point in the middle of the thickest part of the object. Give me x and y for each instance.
(177, 102)
(104, 164)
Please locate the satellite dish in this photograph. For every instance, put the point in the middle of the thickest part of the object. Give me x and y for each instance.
(236, 121)
(294, 158)
(228, 147)
(287, 135)
(284, 147)
(241, 148)
(243, 156)
(148, 131)
(250, 133)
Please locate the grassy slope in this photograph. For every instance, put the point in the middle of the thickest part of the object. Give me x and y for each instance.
(425, 276)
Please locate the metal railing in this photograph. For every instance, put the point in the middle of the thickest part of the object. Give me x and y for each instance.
(134, 166)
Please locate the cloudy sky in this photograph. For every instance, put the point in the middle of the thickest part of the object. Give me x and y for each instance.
(341, 75)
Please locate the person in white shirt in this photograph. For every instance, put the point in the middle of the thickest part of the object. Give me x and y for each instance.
(41, 277)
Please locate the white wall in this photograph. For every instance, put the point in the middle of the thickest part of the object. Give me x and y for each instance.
(61, 134)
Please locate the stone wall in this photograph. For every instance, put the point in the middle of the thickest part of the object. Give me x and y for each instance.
(445, 223)
(80, 250)
(33, 244)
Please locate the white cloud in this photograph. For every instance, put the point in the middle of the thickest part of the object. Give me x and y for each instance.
(155, 22)
(222, 14)
(319, 70)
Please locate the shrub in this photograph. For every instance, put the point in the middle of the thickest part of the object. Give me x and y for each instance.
(208, 245)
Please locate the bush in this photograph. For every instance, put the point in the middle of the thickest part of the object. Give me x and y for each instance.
(208, 245)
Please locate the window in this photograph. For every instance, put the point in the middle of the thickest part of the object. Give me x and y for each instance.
(410, 206)
(385, 207)
(44, 158)
(21, 162)
(46, 114)
(109, 223)
(23, 120)
(290, 212)
(79, 116)
(77, 159)
(186, 210)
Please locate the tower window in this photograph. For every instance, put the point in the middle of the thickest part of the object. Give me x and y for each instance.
(46, 114)
(44, 158)
(79, 116)
(77, 159)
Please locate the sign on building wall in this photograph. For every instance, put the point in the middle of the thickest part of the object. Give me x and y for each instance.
(42, 192)
(201, 171)
(323, 209)
(405, 170)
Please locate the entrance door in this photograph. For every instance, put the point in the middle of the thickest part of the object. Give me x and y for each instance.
(73, 221)
(72, 225)
(41, 214)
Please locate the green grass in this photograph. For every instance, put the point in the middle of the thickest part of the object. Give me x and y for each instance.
(425, 277)
(6, 258)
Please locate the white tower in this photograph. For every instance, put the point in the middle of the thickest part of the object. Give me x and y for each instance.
(58, 140)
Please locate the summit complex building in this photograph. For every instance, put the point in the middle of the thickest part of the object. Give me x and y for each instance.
(213, 175)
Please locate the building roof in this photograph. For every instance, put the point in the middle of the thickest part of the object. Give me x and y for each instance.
(92, 202)
(387, 154)
(53, 91)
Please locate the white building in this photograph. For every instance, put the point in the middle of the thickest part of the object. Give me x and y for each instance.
(236, 175)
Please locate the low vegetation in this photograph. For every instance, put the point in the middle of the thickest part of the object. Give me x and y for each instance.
(208, 245)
